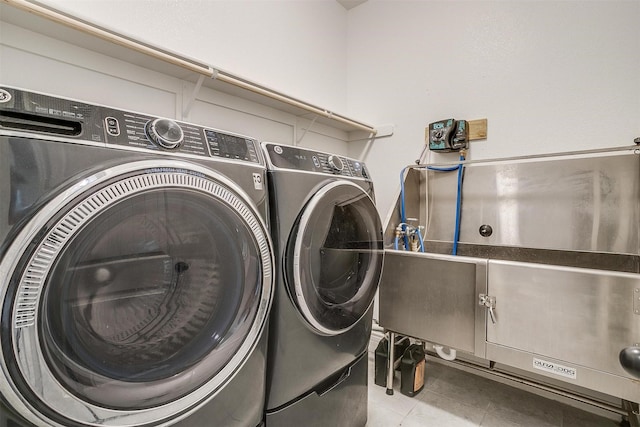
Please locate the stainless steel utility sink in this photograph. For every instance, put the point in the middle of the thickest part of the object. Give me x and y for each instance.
(546, 280)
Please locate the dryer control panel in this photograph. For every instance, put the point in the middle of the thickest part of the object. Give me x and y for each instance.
(65, 119)
(302, 159)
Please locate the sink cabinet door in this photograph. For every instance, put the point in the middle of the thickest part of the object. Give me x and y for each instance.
(581, 316)
(434, 298)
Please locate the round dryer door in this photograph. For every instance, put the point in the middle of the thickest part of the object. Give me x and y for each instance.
(134, 296)
(335, 257)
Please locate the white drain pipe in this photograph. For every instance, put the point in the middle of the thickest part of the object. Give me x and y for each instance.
(446, 356)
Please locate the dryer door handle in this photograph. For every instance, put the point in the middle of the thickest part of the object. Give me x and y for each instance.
(333, 381)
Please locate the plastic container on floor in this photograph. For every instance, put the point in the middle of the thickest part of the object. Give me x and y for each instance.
(412, 368)
(401, 344)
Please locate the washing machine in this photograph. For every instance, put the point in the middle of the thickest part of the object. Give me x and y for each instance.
(136, 269)
(329, 252)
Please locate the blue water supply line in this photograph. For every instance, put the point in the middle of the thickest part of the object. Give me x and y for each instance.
(403, 217)
(456, 230)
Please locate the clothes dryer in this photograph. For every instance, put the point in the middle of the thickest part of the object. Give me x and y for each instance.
(135, 269)
(329, 253)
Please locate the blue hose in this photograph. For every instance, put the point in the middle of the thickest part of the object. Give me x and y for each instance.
(451, 169)
(456, 232)
(421, 239)
(403, 218)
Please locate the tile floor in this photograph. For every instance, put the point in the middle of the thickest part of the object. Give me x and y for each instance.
(452, 398)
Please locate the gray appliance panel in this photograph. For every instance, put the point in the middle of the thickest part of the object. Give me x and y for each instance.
(236, 406)
(52, 117)
(35, 167)
(299, 358)
(435, 298)
(289, 191)
(38, 170)
(344, 404)
(287, 157)
(240, 404)
(584, 317)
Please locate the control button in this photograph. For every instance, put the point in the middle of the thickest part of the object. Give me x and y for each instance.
(316, 162)
(164, 132)
(364, 173)
(335, 163)
(4, 96)
(277, 149)
(112, 126)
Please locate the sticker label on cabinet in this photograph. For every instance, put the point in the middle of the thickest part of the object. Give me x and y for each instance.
(554, 368)
(257, 181)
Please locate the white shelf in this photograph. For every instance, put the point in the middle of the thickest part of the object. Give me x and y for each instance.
(52, 23)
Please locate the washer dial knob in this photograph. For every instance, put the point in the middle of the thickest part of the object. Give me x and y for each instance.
(335, 163)
(164, 132)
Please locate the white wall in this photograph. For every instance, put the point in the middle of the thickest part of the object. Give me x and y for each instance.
(268, 42)
(549, 75)
(296, 47)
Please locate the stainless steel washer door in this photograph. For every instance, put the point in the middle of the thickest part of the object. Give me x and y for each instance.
(135, 296)
(335, 256)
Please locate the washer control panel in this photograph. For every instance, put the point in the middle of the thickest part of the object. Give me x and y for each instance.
(36, 113)
(296, 158)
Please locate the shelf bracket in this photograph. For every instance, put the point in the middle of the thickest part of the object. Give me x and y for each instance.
(192, 98)
(367, 147)
(377, 133)
(315, 117)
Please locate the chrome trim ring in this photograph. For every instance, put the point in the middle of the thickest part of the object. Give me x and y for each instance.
(134, 178)
(303, 224)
